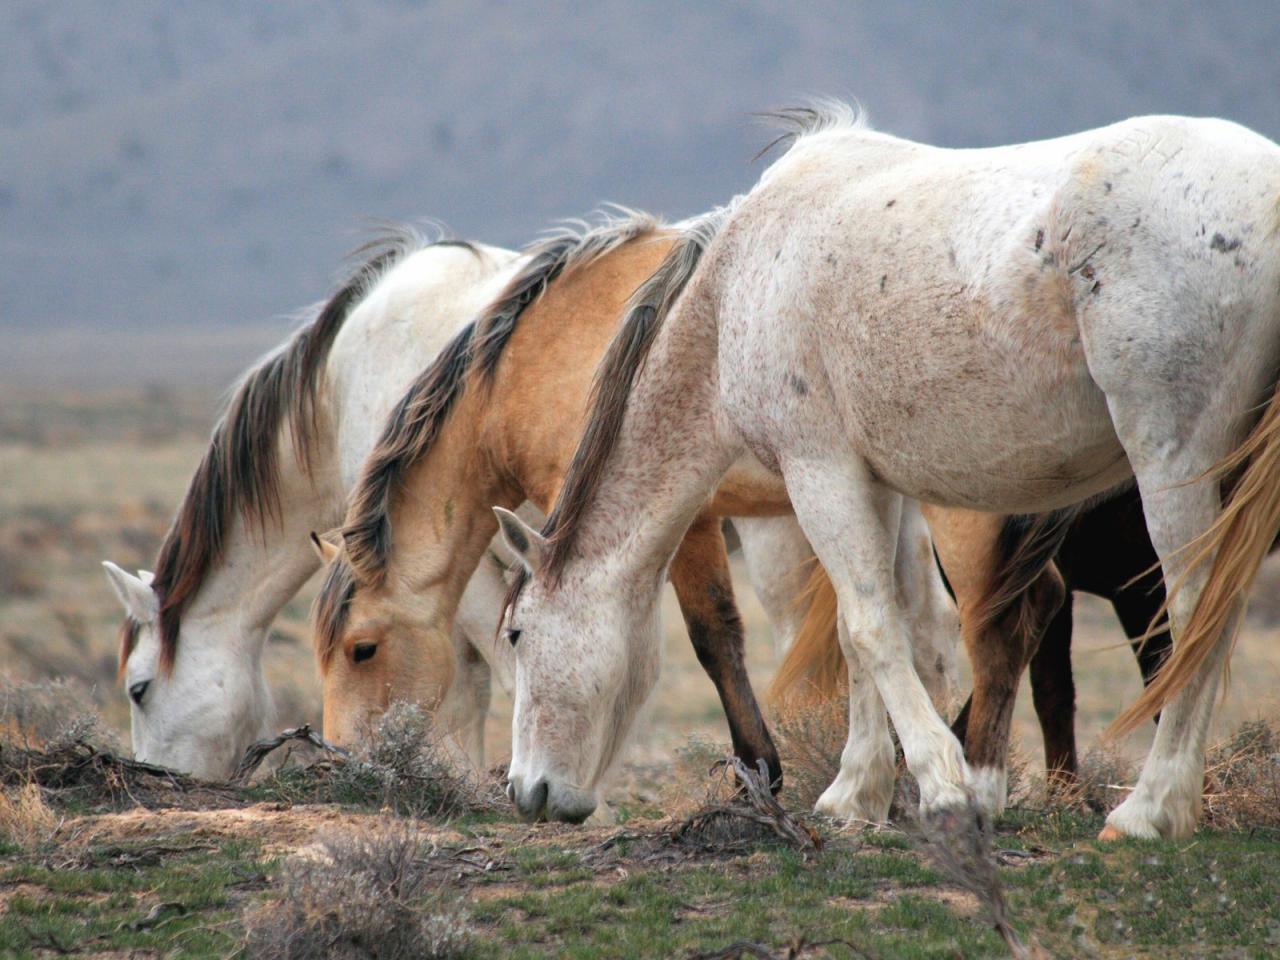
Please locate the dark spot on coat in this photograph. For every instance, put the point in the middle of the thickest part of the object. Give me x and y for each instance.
(1107, 185)
(1136, 221)
(884, 278)
(798, 384)
(1222, 244)
(890, 204)
(1039, 239)
(831, 259)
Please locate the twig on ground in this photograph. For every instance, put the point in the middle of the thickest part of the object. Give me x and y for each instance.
(754, 802)
(259, 751)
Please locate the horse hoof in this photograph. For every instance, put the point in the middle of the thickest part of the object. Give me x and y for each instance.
(1110, 834)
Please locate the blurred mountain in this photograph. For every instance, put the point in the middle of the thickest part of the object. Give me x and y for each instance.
(209, 163)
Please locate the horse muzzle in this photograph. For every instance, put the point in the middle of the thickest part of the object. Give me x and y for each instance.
(539, 798)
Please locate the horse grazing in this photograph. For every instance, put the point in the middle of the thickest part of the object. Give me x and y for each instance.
(279, 464)
(495, 420)
(1017, 330)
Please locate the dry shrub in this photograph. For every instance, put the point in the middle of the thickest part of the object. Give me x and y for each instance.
(48, 714)
(363, 893)
(958, 845)
(810, 738)
(401, 765)
(25, 819)
(740, 810)
(1104, 774)
(689, 789)
(1242, 778)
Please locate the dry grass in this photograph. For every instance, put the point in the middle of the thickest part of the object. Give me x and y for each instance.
(25, 819)
(360, 894)
(1242, 779)
(810, 739)
(48, 714)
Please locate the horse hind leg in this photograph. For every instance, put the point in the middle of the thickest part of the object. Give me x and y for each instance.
(779, 560)
(986, 557)
(1174, 429)
(932, 611)
(1167, 798)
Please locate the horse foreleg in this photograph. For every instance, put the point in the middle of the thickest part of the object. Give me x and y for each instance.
(700, 575)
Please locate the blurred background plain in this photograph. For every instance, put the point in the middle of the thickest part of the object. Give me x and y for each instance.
(205, 166)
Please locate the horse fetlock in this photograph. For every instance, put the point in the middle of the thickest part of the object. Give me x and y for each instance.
(990, 787)
(858, 796)
(1171, 815)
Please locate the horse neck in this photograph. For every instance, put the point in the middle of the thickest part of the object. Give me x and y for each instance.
(442, 518)
(266, 561)
(673, 448)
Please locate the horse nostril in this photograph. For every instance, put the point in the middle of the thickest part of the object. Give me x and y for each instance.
(511, 791)
(537, 799)
(138, 691)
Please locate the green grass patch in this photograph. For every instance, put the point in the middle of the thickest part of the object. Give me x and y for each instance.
(92, 903)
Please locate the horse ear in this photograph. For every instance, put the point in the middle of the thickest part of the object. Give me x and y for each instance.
(525, 542)
(325, 549)
(135, 594)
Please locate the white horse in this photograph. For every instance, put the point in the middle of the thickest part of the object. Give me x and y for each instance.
(1015, 329)
(279, 465)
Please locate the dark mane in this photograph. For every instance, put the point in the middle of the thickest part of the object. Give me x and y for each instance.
(331, 607)
(418, 418)
(128, 640)
(614, 378)
(816, 117)
(239, 470)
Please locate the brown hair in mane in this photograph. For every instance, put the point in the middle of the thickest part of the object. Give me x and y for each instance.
(128, 640)
(331, 607)
(418, 418)
(614, 378)
(239, 470)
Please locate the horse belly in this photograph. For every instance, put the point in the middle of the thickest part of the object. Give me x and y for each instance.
(983, 430)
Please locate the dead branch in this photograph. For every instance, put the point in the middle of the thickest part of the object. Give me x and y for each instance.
(754, 802)
(259, 751)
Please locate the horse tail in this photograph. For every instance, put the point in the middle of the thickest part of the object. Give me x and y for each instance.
(1237, 541)
(623, 360)
(813, 668)
(1024, 547)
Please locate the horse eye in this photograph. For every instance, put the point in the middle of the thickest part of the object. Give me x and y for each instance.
(138, 691)
(513, 637)
(363, 651)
